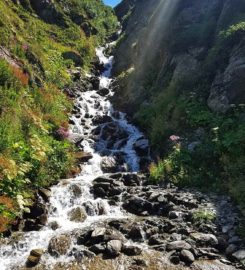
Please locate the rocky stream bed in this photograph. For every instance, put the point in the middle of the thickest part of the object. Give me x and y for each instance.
(110, 216)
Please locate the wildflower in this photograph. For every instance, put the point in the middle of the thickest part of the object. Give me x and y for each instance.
(63, 132)
(174, 138)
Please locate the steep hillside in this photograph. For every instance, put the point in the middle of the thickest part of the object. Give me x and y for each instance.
(43, 43)
(181, 71)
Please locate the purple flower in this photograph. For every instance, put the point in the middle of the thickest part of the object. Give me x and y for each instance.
(63, 132)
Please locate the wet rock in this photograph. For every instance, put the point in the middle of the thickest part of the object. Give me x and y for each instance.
(32, 225)
(205, 239)
(59, 245)
(83, 156)
(109, 164)
(101, 119)
(136, 233)
(32, 261)
(54, 225)
(34, 257)
(38, 209)
(76, 190)
(239, 255)
(77, 214)
(45, 194)
(103, 92)
(101, 208)
(95, 83)
(113, 248)
(131, 250)
(99, 191)
(187, 256)
(178, 245)
(90, 208)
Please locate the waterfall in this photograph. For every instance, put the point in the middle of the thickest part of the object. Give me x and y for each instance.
(62, 201)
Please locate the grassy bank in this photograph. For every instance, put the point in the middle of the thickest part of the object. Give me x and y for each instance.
(37, 50)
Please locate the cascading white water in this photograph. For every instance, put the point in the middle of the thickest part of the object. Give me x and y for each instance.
(15, 252)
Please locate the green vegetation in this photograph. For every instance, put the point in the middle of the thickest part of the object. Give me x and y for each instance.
(203, 216)
(37, 49)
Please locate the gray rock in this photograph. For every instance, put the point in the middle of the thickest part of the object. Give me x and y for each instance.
(98, 233)
(205, 239)
(45, 194)
(178, 245)
(187, 256)
(239, 255)
(59, 245)
(54, 225)
(77, 214)
(76, 190)
(113, 248)
(109, 164)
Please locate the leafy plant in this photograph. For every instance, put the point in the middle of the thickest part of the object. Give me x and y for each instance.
(203, 216)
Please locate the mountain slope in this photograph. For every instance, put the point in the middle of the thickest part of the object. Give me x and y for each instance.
(180, 68)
